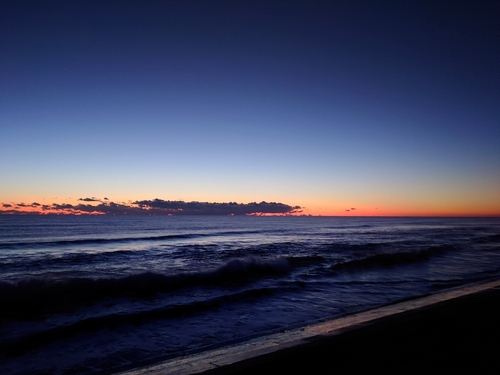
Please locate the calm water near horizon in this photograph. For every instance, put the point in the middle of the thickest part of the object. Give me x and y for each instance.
(91, 294)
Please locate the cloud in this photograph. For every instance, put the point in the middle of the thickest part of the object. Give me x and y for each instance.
(207, 208)
(158, 207)
(63, 206)
(23, 205)
(93, 199)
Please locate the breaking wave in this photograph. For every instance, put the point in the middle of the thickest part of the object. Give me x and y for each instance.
(16, 347)
(100, 241)
(393, 259)
(92, 241)
(34, 297)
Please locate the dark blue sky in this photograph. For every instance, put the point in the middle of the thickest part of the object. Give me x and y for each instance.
(323, 104)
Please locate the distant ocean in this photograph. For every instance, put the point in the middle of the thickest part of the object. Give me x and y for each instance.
(91, 294)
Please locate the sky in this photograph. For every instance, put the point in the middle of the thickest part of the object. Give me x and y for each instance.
(339, 107)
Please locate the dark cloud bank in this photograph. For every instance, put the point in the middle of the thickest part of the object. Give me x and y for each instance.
(156, 207)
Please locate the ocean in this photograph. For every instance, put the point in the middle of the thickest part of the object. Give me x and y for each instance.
(101, 294)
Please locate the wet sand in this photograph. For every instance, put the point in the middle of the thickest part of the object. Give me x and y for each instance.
(456, 331)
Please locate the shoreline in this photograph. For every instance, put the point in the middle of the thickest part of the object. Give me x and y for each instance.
(338, 344)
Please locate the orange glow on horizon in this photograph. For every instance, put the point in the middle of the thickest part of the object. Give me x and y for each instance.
(311, 208)
(305, 212)
(405, 212)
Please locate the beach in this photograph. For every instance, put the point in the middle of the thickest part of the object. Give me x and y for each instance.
(103, 295)
(452, 332)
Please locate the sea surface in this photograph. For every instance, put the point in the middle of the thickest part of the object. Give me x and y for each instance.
(100, 294)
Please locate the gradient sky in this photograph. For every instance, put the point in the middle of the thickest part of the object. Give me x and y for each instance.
(392, 108)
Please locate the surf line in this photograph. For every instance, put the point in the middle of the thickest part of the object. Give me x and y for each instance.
(224, 356)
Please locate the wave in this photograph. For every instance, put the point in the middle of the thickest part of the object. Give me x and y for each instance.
(493, 238)
(393, 259)
(18, 346)
(360, 226)
(93, 241)
(100, 241)
(362, 248)
(305, 260)
(34, 298)
(68, 259)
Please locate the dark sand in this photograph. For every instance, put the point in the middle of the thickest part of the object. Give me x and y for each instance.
(460, 335)
(457, 336)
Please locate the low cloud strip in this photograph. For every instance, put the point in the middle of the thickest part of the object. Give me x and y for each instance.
(151, 207)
